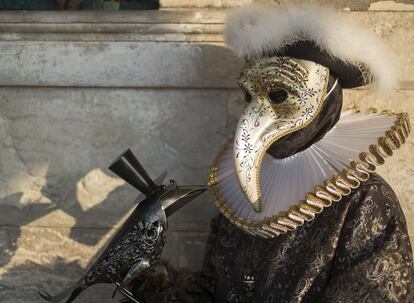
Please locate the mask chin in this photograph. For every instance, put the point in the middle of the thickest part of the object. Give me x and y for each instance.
(302, 139)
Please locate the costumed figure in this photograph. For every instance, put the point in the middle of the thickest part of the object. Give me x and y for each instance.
(304, 218)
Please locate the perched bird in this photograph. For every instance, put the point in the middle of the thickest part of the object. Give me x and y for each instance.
(139, 242)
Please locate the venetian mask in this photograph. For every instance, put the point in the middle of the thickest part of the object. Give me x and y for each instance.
(283, 95)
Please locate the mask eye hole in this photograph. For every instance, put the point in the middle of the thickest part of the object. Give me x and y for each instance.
(277, 95)
(247, 97)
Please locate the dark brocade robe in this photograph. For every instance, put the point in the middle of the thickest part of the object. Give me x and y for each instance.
(357, 250)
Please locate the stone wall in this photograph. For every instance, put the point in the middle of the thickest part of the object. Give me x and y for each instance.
(76, 89)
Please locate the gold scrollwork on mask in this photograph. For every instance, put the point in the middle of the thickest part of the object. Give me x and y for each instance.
(287, 94)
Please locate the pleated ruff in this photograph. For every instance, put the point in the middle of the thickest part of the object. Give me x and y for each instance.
(286, 182)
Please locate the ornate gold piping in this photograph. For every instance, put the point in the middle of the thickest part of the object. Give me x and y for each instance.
(323, 195)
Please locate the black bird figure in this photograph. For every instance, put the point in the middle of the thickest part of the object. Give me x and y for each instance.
(140, 240)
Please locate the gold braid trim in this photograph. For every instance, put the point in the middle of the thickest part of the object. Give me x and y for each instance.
(323, 196)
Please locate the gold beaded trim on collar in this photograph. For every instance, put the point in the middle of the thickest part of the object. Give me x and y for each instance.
(323, 196)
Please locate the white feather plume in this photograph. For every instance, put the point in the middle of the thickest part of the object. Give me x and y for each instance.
(256, 29)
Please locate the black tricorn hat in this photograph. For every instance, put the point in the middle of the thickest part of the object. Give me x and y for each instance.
(354, 55)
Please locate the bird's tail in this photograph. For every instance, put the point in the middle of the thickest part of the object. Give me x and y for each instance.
(72, 292)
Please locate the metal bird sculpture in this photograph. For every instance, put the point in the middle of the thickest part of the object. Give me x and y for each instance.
(140, 240)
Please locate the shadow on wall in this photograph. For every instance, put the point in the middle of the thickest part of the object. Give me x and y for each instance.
(99, 217)
(21, 279)
(55, 276)
(23, 216)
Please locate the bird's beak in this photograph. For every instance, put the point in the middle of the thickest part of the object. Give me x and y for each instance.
(181, 196)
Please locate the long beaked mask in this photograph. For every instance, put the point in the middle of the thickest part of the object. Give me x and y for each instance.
(283, 95)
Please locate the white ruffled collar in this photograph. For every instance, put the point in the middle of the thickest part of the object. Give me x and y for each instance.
(296, 188)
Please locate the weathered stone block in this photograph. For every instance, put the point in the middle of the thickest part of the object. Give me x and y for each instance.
(60, 141)
(40, 55)
(145, 64)
(360, 5)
